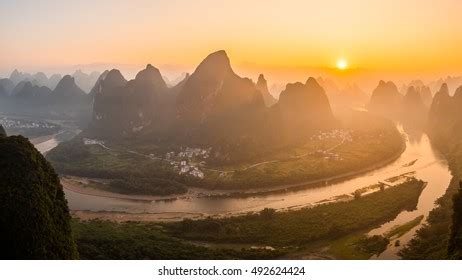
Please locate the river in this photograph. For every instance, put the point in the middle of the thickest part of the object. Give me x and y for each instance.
(430, 166)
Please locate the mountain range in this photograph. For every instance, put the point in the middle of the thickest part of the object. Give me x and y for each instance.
(212, 107)
(29, 98)
(83, 80)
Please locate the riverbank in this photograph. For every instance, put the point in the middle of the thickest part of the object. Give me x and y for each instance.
(77, 184)
(264, 235)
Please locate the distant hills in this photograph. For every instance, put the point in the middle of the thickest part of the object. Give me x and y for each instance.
(216, 107)
(30, 98)
(445, 119)
(410, 108)
(386, 100)
(351, 95)
(83, 80)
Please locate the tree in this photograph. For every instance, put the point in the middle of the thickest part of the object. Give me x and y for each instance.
(34, 216)
(267, 213)
(455, 240)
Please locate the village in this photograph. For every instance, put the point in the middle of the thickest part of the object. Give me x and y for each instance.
(187, 162)
(25, 124)
(329, 154)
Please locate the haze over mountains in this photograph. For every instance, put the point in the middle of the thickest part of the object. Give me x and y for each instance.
(213, 107)
(83, 80)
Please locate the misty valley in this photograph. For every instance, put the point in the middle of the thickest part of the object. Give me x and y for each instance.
(214, 166)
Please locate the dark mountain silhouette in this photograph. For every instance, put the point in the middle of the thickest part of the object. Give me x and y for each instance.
(426, 95)
(143, 100)
(451, 82)
(66, 100)
(424, 91)
(301, 110)
(7, 85)
(262, 86)
(386, 100)
(414, 110)
(350, 95)
(217, 105)
(214, 89)
(41, 79)
(213, 107)
(67, 91)
(32, 92)
(445, 120)
(17, 77)
(34, 216)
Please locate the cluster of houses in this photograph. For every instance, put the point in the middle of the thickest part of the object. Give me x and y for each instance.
(334, 134)
(188, 160)
(87, 141)
(329, 154)
(25, 124)
(189, 153)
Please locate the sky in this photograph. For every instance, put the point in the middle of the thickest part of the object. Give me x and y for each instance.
(288, 40)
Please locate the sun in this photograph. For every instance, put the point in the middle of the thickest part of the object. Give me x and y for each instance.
(342, 64)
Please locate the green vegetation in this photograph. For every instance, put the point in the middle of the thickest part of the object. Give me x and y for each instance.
(403, 229)
(372, 245)
(455, 240)
(30, 128)
(34, 216)
(108, 240)
(296, 168)
(337, 155)
(131, 173)
(296, 228)
(148, 186)
(432, 239)
(287, 232)
(357, 246)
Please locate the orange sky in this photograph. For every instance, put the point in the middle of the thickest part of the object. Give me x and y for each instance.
(283, 38)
